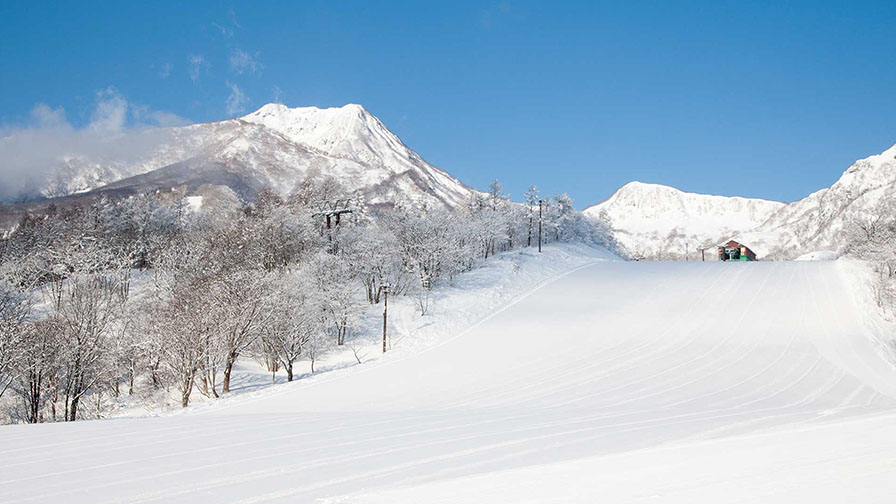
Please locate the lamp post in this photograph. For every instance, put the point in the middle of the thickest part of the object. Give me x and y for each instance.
(385, 312)
(540, 207)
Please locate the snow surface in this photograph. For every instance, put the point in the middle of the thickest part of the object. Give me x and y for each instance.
(616, 381)
(819, 255)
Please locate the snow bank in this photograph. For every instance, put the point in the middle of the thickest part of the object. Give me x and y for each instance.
(819, 255)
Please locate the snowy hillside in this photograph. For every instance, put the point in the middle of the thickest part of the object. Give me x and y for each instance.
(655, 221)
(275, 146)
(818, 221)
(730, 382)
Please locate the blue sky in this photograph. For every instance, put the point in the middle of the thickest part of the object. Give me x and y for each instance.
(762, 99)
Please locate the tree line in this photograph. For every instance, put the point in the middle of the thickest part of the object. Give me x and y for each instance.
(269, 280)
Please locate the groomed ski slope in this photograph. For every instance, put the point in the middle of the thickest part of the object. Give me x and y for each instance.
(618, 382)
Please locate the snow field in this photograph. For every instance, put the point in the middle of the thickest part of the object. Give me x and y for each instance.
(630, 382)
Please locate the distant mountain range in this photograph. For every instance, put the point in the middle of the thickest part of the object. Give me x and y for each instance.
(274, 147)
(659, 222)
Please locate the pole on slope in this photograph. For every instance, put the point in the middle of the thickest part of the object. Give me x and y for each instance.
(385, 312)
(702, 253)
(540, 205)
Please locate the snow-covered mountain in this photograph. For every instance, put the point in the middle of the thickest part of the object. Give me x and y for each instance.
(820, 220)
(655, 221)
(275, 146)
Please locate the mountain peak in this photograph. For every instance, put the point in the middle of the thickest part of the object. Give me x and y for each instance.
(281, 110)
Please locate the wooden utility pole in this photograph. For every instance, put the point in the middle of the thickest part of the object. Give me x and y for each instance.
(702, 252)
(540, 206)
(385, 312)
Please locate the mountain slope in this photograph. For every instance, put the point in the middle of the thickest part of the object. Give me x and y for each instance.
(657, 221)
(277, 147)
(820, 220)
(719, 360)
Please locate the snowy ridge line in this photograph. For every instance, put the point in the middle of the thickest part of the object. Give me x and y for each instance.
(355, 369)
(654, 221)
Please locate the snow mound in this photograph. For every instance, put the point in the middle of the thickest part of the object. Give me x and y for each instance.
(819, 255)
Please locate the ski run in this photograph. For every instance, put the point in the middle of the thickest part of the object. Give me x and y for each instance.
(594, 380)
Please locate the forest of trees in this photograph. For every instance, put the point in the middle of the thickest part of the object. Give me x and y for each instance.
(872, 238)
(267, 281)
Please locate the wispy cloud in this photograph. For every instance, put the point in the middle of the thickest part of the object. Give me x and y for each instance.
(231, 15)
(227, 32)
(242, 62)
(197, 64)
(33, 153)
(277, 94)
(165, 71)
(237, 100)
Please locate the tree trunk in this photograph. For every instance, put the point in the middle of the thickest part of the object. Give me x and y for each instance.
(34, 385)
(73, 409)
(186, 389)
(228, 367)
(289, 372)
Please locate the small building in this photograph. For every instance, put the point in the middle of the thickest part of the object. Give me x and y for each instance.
(734, 251)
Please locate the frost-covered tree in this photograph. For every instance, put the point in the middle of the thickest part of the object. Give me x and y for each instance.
(36, 368)
(332, 281)
(871, 236)
(87, 306)
(294, 328)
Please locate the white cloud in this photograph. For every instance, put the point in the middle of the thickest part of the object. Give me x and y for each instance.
(241, 61)
(110, 113)
(237, 100)
(45, 117)
(33, 153)
(196, 64)
(143, 116)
